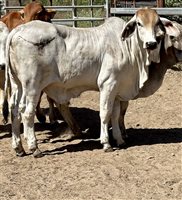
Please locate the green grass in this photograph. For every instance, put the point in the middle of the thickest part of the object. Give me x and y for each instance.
(86, 12)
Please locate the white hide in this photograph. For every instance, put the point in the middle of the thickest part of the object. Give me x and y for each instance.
(65, 61)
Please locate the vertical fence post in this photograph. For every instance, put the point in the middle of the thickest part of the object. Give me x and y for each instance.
(6, 3)
(92, 13)
(0, 8)
(3, 4)
(74, 13)
(107, 8)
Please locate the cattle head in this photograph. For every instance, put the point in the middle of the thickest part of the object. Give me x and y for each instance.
(36, 11)
(150, 30)
(174, 41)
(45, 15)
(3, 37)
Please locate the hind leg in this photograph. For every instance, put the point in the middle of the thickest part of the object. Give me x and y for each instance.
(52, 114)
(28, 115)
(16, 122)
(69, 119)
(39, 113)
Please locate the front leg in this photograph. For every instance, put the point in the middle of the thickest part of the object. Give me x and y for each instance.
(123, 108)
(107, 96)
(115, 123)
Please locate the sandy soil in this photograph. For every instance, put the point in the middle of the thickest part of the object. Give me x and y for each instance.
(148, 168)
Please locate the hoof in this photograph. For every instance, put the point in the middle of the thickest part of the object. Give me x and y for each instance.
(122, 146)
(4, 121)
(110, 149)
(107, 148)
(41, 118)
(37, 153)
(20, 153)
(124, 135)
(54, 122)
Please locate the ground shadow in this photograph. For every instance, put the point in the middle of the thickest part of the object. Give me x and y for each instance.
(137, 137)
(83, 145)
(89, 119)
(5, 131)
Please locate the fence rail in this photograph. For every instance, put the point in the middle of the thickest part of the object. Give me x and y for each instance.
(73, 9)
(58, 8)
(160, 11)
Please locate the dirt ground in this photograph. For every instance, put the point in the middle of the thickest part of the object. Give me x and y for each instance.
(150, 167)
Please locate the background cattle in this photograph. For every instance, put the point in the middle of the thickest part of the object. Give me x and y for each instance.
(72, 60)
(3, 36)
(170, 54)
(32, 11)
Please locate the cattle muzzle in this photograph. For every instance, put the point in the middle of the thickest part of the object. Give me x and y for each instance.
(2, 66)
(151, 45)
(178, 54)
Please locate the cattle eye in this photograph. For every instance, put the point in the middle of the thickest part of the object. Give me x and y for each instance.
(171, 37)
(158, 38)
(158, 23)
(139, 24)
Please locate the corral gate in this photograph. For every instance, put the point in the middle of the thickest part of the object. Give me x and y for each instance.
(89, 14)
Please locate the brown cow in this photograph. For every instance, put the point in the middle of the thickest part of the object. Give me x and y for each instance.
(36, 11)
(32, 11)
(12, 19)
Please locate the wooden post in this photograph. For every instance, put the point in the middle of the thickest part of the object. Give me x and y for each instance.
(5, 3)
(134, 3)
(1, 8)
(92, 13)
(160, 3)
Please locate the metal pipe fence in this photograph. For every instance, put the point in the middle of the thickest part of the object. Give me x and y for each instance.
(160, 11)
(73, 11)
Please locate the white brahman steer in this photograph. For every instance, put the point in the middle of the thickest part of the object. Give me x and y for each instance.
(63, 62)
(3, 37)
(171, 53)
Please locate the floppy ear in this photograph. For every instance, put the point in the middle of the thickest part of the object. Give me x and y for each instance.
(170, 27)
(173, 34)
(22, 13)
(129, 28)
(51, 13)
